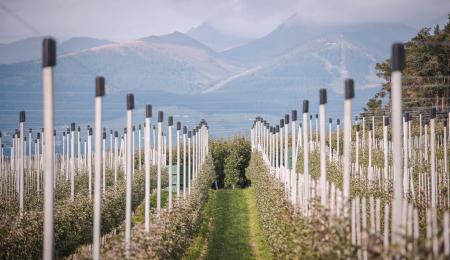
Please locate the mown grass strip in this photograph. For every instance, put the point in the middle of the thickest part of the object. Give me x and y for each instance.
(259, 244)
(231, 228)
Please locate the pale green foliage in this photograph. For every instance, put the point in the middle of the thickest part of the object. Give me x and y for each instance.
(236, 162)
(289, 234)
(172, 233)
(22, 238)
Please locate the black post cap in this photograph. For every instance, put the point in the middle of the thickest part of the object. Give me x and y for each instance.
(22, 116)
(406, 117)
(54, 132)
(38, 136)
(357, 128)
(139, 127)
(170, 120)
(64, 133)
(184, 129)
(349, 89)
(398, 57)
(99, 86)
(286, 119)
(148, 111)
(323, 96)
(116, 134)
(305, 106)
(301, 125)
(294, 115)
(90, 131)
(178, 126)
(433, 112)
(277, 129)
(111, 131)
(310, 116)
(281, 123)
(160, 116)
(130, 101)
(31, 130)
(48, 52)
(72, 127)
(125, 130)
(386, 121)
(104, 135)
(338, 121)
(370, 126)
(317, 116)
(330, 120)
(134, 128)
(189, 134)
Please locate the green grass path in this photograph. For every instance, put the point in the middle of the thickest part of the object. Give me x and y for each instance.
(231, 228)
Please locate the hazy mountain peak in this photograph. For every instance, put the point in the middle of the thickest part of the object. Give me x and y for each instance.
(177, 38)
(81, 43)
(215, 38)
(294, 32)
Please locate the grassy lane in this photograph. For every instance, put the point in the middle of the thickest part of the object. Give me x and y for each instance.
(231, 228)
(259, 245)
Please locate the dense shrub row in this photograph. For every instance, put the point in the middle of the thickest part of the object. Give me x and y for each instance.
(172, 233)
(289, 234)
(33, 200)
(22, 238)
(230, 158)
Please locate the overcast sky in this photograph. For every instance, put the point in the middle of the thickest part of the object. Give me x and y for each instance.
(122, 20)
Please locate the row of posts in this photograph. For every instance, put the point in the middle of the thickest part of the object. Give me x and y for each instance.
(274, 144)
(189, 158)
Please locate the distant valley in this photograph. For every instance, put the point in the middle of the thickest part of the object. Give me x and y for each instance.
(225, 85)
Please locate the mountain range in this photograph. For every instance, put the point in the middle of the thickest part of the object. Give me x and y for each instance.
(200, 73)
